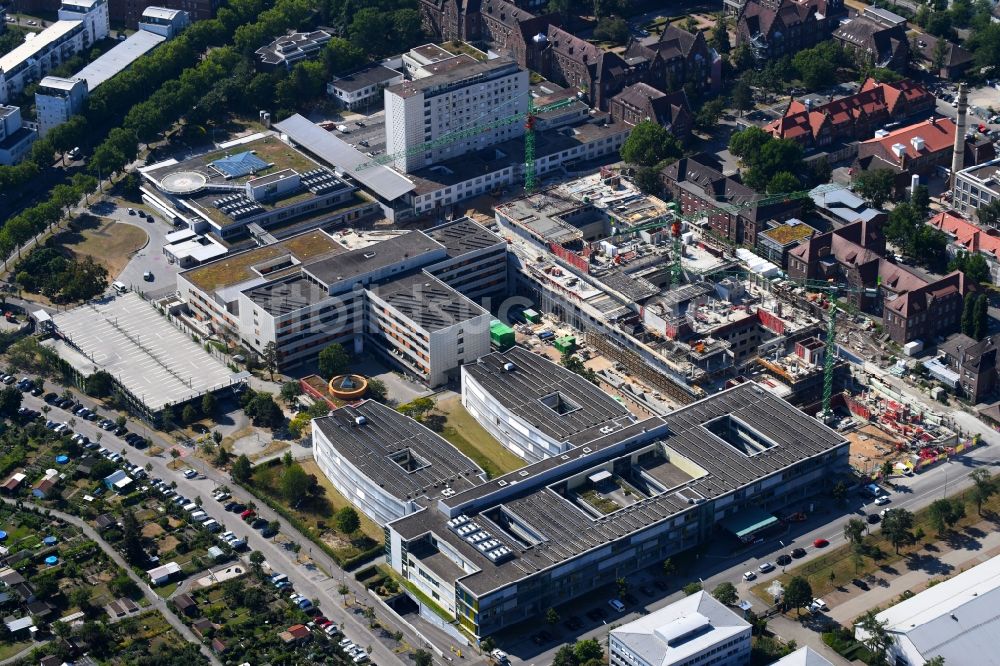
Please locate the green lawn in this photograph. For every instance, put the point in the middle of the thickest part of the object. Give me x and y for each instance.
(471, 439)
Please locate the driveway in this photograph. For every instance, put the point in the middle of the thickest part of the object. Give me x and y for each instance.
(149, 258)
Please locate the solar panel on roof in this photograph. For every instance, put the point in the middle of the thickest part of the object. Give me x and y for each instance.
(240, 164)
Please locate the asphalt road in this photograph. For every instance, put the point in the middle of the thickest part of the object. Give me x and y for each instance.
(313, 583)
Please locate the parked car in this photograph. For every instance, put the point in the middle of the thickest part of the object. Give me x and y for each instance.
(818, 605)
(765, 567)
(821, 543)
(784, 560)
(798, 552)
(882, 500)
(749, 575)
(617, 605)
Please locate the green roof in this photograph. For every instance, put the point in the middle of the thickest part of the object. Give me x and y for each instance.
(498, 327)
(748, 521)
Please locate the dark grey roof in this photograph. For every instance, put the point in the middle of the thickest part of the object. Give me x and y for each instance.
(369, 76)
(354, 263)
(288, 295)
(427, 301)
(534, 378)
(567, 532)
(385, 432)
(462, 236)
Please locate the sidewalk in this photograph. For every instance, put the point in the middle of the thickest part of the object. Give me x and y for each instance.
(931, 565)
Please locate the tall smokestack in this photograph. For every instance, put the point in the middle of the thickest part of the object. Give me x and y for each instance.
(958, 155)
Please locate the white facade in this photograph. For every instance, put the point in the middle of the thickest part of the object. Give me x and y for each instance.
(695, 631)
(164, 22)
(57, 100)
(35, 58)
(976, 186)
(93, 13)
(364, 87)
(476, 94)
(522, 438)
(15, 139)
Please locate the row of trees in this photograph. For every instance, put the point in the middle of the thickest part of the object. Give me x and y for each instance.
(975, 315)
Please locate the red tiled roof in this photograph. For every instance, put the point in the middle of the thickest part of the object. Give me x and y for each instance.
(967, 235)
(298, 630)
(938, 134)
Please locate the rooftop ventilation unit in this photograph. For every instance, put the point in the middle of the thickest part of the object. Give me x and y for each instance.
(918, 143)
(509, 367)
(360, 420)
(899, 150)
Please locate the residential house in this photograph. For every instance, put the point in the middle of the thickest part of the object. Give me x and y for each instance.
(775, 31)
(975, 362)
(873, 43)
(47, 485)
(186, 604)
(642, 101)
(854, 117)
(14, 482)
(104, 521)
(734, 211)
(202, 626)
(296, 633)
(964, 236)
(955, 60)
(918, 149)
(218, 646)
(676, 58)
(162, 574)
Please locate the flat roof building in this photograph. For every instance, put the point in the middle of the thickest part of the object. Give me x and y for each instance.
(287, 50)
(537, 408)
(694, 630)
(405, 292)
(167, 23)
(503, 551)
(425, 109)
(386, 463)
(57, 100)
(955, 619)
(15, 138)
(976, 186)
(362, 87)
(153, 363)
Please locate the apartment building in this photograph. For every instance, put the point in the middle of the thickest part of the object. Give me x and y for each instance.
(362, 87)
(93, 14)
(15, 138)
(376, 292)
(57, 100)
(504, 551)
(35, 58)
(467, 93)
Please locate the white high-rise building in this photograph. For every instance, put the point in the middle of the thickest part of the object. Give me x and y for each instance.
(57, 100)
(465, 96)
(93, 13)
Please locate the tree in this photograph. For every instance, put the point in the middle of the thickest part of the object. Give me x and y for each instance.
(10, 401)
(648, 144)
(274, 526)
(295, 484)
(983, 488)
(839, 492)
(99, 384)
(798, 593)
(347, 520)
(290, 391)
(968, 311)
(377, 390)
(981, 317)
(783, 182)
(719, 36)
(262, 409)
(989, 214)
(876, 637)
(874, 185)
(896, 526)
(725, 593)
(854, 531)
(742, 96)
(973, 265)
(612, 29)
(944, 513)
(746, 143)
(552, 616)
(668, 567)
(587, 650)
(422, 657)
(416, 409)
(242, 469)
(938, 660)
(708, 115)
(621, 586)
(256, 562)
(189, 414)
(208, 404)
(564, 657)
(333, 360)
(920, 199)
(693, 587)
(269, 358)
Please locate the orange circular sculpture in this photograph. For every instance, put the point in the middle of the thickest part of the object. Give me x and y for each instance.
(348, 387)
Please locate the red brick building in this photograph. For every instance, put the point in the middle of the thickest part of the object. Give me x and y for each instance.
(642, 101)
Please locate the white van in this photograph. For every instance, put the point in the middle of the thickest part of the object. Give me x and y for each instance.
(119, 287)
